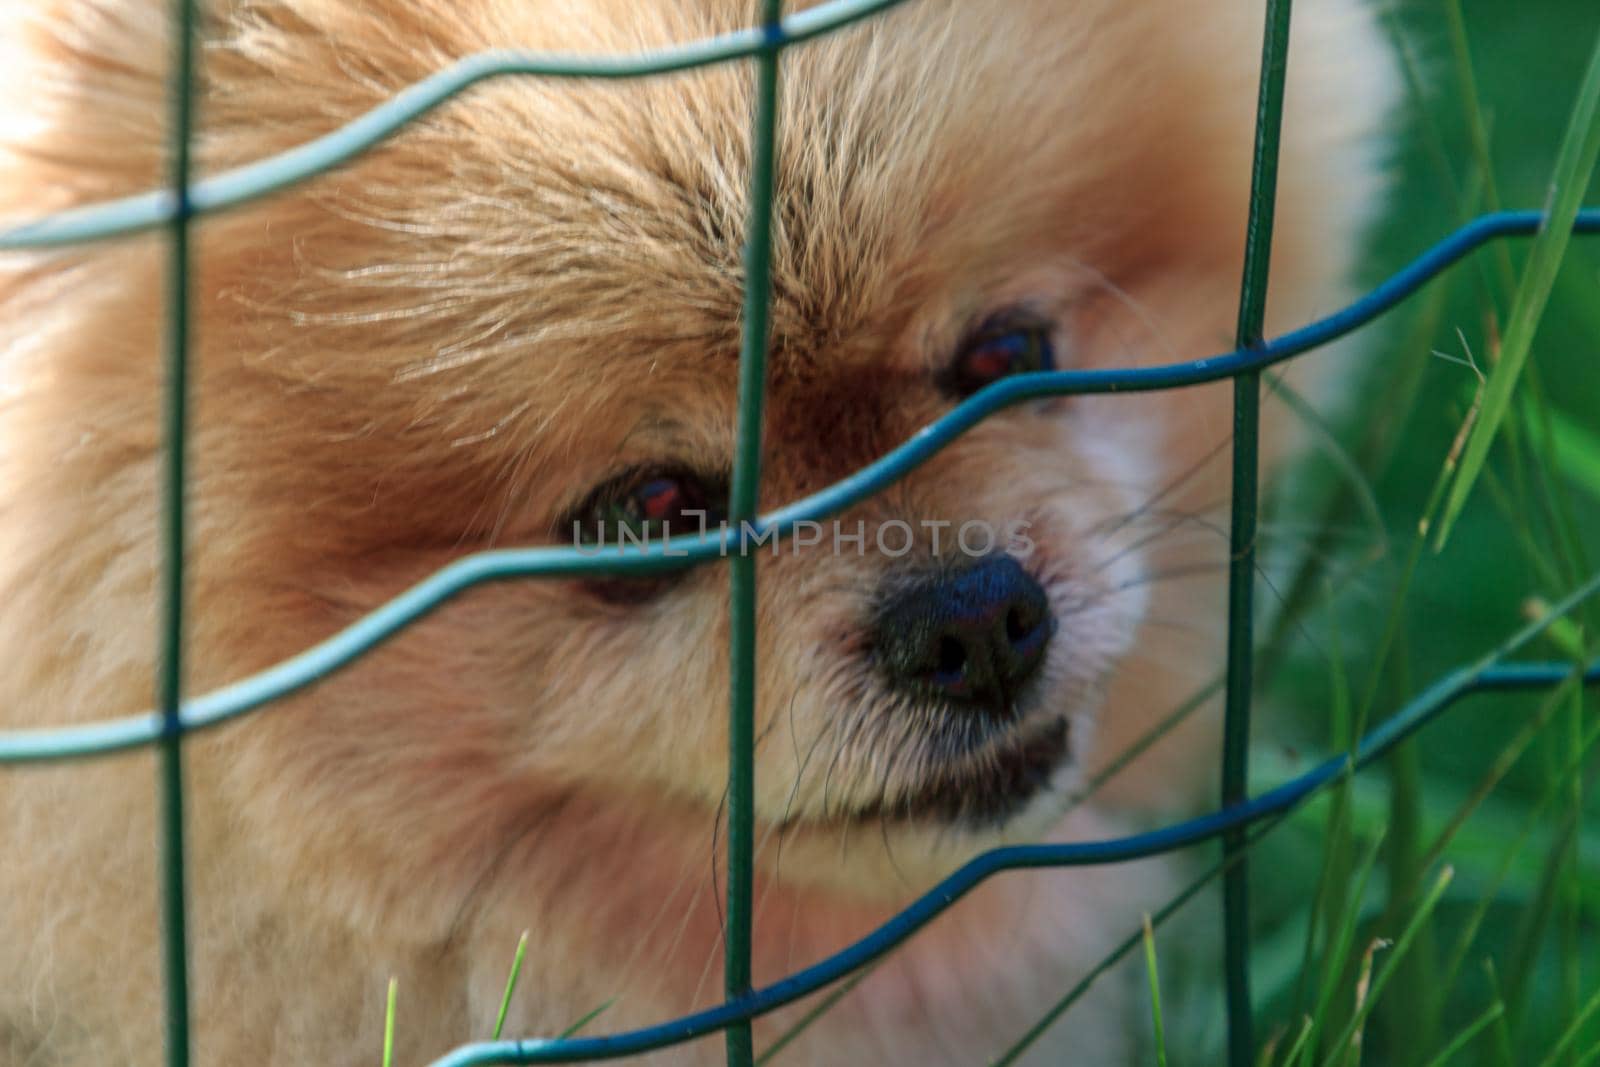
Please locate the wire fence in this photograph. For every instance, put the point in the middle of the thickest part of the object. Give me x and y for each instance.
(175, 717)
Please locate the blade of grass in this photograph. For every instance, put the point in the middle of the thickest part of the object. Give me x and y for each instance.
(1331, 448)
(1299, 1042)
(1565, 634)
(1488, 894)
(1477, 129)
(1334, 868)
(1501, 1050)
(1571, 889)
(1570, 1034)
(511, 985)
(1408, 569)
(1120, 952)
(1381, 434)
(1411, 67)
(1336, 957)
(1478, 847)
(1330, 908)
(1396, 954)
(388, 1023)
(1535, 922)
(1464, 1038)
(1168, 722)
(1336, 835)
(1352, 1056)
(1155, 992)
(1507, 758)
(1575, 162)
(822, 1008)
(586, 1018)
(1405, 1011)
(1269, 1048)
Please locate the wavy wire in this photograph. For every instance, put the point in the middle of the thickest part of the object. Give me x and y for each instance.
(322, 659)
(251, 182)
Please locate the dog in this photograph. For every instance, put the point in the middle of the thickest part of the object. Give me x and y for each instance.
(516, 323)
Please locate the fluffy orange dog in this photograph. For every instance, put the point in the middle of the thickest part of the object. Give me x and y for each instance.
(517, 323)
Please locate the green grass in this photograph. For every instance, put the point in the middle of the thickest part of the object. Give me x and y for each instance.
(1158, 1021)
(388, 1022)
(1503, 967)
(511, 985)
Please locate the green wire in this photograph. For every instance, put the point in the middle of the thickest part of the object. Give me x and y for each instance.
(1242, 533)
(134, 214)
(184, 200)
(744, 500)
(169, 686)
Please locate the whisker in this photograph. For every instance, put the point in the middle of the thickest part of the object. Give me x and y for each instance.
(1146, 316)
(1180, 520)
(1168, 489)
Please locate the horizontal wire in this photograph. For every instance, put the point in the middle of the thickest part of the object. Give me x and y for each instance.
(333, 653)
(1487, 674)
(118, 218)
(254, 181)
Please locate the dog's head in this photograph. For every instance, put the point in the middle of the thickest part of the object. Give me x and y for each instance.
(518, 323)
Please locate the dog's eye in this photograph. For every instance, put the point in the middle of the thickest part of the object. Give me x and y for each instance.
(646, 506)
(639, 507)
(998, 351)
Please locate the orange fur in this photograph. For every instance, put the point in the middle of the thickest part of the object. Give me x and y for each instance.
(441, 346)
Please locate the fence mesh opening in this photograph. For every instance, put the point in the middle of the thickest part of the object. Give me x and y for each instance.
(1236, 823)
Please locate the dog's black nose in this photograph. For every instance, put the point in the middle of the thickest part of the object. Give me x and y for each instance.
(970, 636)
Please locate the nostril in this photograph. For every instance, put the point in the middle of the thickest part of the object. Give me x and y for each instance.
(952, 657)
(1027, 626)
(1016, 626)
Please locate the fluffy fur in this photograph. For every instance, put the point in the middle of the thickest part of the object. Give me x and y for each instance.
(444, 345)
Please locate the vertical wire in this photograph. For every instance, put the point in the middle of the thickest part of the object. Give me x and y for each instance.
(169, 683)
(1242, 533)
(743, 502)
